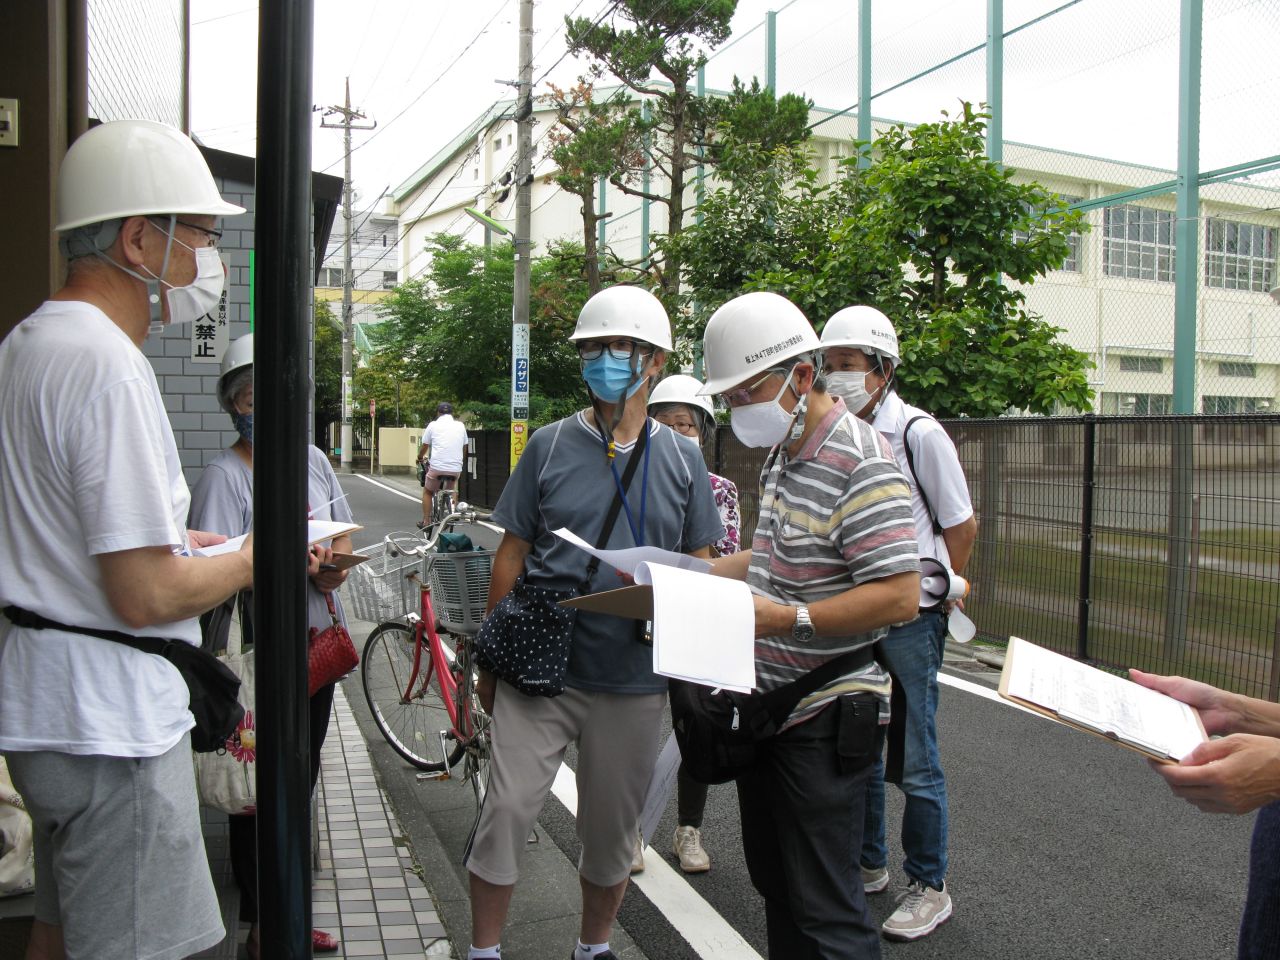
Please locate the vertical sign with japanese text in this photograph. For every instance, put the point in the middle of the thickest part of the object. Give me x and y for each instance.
(211, 333)
(519, 390)
(519, 437)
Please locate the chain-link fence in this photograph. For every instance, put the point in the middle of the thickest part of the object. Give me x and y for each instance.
(1130, 541)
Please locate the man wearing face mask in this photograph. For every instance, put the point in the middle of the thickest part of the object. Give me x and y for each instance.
(861, 353)
(569, 475)
(96, 733)
(832, 563)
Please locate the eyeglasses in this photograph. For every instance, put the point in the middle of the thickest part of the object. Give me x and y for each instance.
(211, 236)
(618, 349)
(742, 395)
(687, 427)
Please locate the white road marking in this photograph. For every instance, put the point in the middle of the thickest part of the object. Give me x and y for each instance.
(978, 690)
(706, 931)
(383, 486)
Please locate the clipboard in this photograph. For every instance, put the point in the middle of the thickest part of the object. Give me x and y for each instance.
(1194, 731)
(345, 561)
(634, 602)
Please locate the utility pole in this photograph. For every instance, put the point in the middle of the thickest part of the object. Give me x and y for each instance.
(348, 332)
(522, 241)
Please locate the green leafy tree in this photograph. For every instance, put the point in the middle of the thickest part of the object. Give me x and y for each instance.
(931, 233)
(328, 364)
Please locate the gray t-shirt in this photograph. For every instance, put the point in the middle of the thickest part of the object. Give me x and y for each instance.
(563, 480)
(222, 502)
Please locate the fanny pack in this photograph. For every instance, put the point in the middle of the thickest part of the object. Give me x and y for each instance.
(719, 730)
(213, 687)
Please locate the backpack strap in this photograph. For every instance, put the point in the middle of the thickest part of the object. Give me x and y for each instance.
(911, 465)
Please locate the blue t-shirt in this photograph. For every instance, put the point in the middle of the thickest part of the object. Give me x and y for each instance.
(563, 480)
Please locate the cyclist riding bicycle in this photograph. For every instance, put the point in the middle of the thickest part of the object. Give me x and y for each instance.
(440, 456)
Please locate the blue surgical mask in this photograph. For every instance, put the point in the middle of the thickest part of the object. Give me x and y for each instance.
(607, 376)
(244, 425)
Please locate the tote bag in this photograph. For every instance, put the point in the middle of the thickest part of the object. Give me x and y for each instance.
(227, 779)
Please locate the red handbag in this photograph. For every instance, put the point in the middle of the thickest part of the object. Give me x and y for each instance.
(331, 654)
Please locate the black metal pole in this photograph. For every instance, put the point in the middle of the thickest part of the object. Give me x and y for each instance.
(1086, 539)
(282, 386)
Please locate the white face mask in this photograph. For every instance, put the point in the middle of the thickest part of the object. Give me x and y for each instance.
(188, 304)
(850, 386)
(763, 424)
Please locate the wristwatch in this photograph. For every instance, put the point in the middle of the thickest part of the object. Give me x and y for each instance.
(803, 630)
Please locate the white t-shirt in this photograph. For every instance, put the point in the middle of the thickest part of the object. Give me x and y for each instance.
(88, 465)
(938, 466)
(448, 439)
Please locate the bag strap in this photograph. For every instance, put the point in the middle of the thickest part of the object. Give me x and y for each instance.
(911, 465)
(333, 611)
(616, 506)
(34, 621)
(779, 703)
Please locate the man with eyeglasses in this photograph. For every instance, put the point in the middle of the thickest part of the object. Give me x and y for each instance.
(833, 562)
(612, 706)
(96, 733)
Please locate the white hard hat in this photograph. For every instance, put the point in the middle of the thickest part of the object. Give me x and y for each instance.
(625, 311)
(680, 388)
(238, 356)
(751, 334)
(865, 328)
(130, 168)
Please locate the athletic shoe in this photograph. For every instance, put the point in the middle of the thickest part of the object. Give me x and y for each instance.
(637, 855)
(607, 955)
(875, 881)
(687, 844)
(921, 910)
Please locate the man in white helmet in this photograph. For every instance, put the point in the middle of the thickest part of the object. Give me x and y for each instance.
(833, 563)
(861, 354)
(612, 705)
(96, 733)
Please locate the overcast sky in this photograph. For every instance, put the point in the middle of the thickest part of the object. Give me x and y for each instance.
(1098, 78)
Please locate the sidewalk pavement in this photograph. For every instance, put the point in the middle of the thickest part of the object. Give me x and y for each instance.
(366, 889)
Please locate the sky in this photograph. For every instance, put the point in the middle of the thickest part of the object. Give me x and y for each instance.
(1095, 77)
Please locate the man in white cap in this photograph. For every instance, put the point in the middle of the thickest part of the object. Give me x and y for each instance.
(860, 356)
(833, 563)
(96, 733)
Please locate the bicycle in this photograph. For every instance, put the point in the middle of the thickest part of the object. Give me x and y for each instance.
(442, 501)
(402, 657)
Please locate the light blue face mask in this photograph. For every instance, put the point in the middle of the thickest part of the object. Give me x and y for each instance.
(244, 426)
(608, 377)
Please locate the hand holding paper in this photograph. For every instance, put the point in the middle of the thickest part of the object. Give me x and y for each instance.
(627, 560)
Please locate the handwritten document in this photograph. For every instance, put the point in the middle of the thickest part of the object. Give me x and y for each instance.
(1100, 701)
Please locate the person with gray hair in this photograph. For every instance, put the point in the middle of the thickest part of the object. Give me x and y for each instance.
(97, 733)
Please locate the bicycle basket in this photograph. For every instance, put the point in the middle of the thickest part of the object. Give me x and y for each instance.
(460, 588)
(377, 590)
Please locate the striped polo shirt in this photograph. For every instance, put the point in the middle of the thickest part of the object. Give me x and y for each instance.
(835, 516)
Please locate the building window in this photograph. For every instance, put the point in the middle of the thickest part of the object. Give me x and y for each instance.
(1137, 243)
(388, 279)
(331, 277)
(1236, 369)
(1072, 263)
(1228, 405)
(1239, 256)
(475, 173)
(497, 142)
(1141, 365)
(1137, 404)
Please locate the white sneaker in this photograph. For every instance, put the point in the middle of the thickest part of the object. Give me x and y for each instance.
(687, 844)
(921, 910)
(637, 855)
(875, 881)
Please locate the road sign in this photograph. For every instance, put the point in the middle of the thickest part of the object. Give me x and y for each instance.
(519, 437)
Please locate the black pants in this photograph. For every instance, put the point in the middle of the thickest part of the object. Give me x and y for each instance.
(242, 841)
(1260, 926)
(691, 800)
(802, 810)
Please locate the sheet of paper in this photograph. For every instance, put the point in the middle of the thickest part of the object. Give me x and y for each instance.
(321, 531)
(627, 560)
(1102, 701)
(661, 784)
(703, 627)
(217, 549)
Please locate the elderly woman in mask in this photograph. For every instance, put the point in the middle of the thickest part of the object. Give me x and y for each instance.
(222, 501)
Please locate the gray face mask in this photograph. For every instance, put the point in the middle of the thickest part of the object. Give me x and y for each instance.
(851, 387)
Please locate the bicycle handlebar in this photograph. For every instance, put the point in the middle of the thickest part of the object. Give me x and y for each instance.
(464, 513)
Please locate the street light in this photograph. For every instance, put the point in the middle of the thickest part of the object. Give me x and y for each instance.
(486, 221)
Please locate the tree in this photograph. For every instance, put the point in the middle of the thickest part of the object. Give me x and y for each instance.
(930, 233)
(656, 54)
(328, 364)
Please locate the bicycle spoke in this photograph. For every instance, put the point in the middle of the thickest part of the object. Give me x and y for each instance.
(410, 723)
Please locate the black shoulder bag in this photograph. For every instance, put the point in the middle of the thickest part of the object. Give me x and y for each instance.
(525, 639)
(718, 730)
(214, 688)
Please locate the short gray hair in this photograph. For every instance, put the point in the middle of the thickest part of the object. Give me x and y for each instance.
(229, 387)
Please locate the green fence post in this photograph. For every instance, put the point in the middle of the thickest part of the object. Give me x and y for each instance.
(601, 209)
(864, 81)
(771, 50)
(995, 80)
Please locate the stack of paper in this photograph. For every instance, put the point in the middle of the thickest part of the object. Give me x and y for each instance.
(318, 531)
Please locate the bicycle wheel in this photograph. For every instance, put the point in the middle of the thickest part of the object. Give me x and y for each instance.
(475, 725)
(410, 720)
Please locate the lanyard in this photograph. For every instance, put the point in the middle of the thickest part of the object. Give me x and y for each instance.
(637, 535)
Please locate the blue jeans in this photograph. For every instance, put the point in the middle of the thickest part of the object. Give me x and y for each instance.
(913, 653)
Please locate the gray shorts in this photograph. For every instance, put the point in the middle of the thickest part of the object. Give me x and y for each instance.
(120, 860)
(617, 738)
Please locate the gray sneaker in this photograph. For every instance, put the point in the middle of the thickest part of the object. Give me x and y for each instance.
(687, 844)
(875, 881)
(921, 910)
